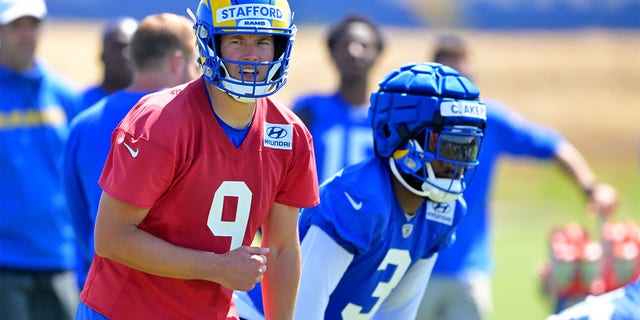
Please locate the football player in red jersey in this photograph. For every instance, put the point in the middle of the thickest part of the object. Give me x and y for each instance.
(195, 170)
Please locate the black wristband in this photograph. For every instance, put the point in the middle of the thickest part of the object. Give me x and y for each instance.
(588, 191)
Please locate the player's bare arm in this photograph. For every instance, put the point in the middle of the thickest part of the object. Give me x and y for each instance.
(117, 237)
(601, 197)
(280, 285)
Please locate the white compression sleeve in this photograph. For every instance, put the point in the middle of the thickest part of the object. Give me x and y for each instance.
(324, 262)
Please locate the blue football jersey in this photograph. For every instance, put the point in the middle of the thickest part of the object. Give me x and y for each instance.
(619, 304)
(358, 209)
(85, 153)
(341, 132)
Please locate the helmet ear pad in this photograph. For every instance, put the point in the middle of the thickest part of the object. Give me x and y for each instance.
(411, 161)
(222, 71)
(412, 168)
(280, 46)
(413, 153)
(406, 157)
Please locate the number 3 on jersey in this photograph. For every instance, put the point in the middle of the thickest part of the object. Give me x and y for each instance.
(402, 260)
(237, 228)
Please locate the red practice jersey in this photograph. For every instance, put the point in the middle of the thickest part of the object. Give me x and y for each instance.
(171, 155)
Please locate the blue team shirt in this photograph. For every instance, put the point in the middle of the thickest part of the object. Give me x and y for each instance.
(507, 133)
(619, 304)
(85, 153)
(341, 132)
(626, 305)
(377, 232)
(92, 95)
(35, 230)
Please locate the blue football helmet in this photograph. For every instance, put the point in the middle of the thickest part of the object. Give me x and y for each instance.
(217, 17)
(427, 115)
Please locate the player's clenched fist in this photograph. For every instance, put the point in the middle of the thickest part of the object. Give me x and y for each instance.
(244, 267)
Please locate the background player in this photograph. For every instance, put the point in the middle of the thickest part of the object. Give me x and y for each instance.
(36, 238)
(620, 304)
(460, 286)
(338, 121)
(369, 246)
(195, 170)
(117, 71)
(162, 55)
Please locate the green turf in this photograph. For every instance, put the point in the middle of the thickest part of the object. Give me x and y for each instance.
(530, 199)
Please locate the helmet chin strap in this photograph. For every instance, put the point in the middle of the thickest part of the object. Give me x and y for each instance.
(434, 189)
(236, 97)
(239, 98)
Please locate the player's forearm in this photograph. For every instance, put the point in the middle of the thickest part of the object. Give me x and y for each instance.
(574, 164)
(143, 251)
(280, 283)
(601, 197)
(117, 237)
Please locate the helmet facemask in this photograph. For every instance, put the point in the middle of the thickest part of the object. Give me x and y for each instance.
(438, 167)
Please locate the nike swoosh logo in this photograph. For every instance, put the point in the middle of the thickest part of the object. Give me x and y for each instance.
(354, 204)
(134, 153)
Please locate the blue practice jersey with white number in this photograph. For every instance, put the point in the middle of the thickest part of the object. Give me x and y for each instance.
(341, 132)
(358, 209)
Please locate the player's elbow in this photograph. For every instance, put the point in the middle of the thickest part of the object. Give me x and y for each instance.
(103, 246)
(109, 242)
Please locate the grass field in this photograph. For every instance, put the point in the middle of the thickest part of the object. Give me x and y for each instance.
(583, 83)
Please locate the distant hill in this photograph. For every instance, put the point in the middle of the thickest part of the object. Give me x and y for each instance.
(479, 14)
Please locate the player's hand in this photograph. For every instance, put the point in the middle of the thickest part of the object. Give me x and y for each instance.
(602, 199)
(246, 266)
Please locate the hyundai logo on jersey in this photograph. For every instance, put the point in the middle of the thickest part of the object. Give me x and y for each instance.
(472, 109)
(276, 132)
(249, 11)
(441, 212)
(441, 207)
(278, 136)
